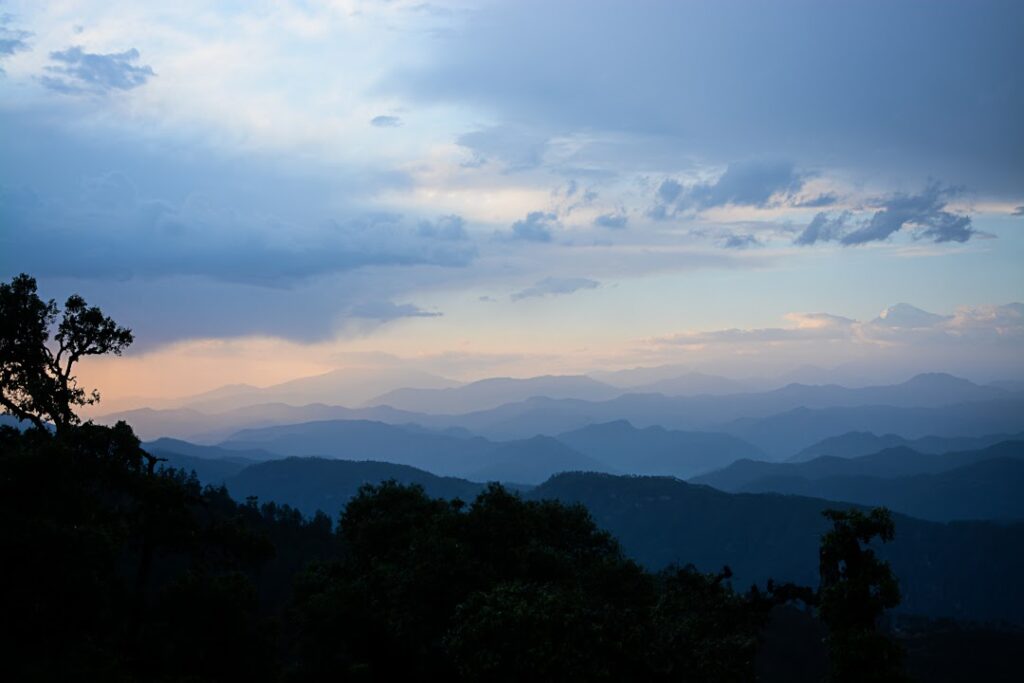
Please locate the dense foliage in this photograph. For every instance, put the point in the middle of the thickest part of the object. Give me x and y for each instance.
(120, 572)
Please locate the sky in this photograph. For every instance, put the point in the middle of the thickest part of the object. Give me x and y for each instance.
(265, 190)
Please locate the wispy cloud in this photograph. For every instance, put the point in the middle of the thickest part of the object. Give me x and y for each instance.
(555, 286)
(12, 40)
(385, 121)
(387, 310)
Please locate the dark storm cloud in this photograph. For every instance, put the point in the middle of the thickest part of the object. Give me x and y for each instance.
(933, 110)
(79, 71)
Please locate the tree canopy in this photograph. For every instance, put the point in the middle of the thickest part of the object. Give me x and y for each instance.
(37, 361)
(856, 589)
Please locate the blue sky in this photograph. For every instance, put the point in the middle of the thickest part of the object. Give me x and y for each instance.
(268, 189)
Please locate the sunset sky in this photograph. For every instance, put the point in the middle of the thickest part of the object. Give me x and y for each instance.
(264, 190)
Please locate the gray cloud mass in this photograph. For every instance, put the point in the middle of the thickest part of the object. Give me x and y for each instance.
(536, 227)
(740, 241)
(775, 81)
(450, 228)
(925, 212)
(79, 71)
(742, 184)
(612, 221)
(12, 40)
(823, 228)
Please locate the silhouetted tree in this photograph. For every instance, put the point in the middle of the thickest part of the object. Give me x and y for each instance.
(856, 589)
(36, 380)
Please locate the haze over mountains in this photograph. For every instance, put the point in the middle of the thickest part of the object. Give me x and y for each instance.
(945, 452)
(839, 442)
(935, 446)
(913, 408)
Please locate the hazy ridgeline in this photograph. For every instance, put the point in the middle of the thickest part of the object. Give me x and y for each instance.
(597, 533)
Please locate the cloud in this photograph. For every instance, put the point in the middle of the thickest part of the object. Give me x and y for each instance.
(756, 184)
(450, 228)
(109, 231)
(1000, 322)
(1019, 211)
(12, 40)
(80, 71)
(555, 286)
(384, 121)
(821, 200)
(748, 184)
(182, 242)
(905, 316)
(669, 191)
(536, 227)
(950, 113)
(515, 147)
(613, 221)
(823, 228)
(925, 213)
(902, 325)
(807, 327)
(387, 310)
(740, 241)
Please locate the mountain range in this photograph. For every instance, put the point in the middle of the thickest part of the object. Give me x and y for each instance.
(853, 444)
(519, 419)
(965, 570)
(656, 450)
(526, 461)
(980, 484)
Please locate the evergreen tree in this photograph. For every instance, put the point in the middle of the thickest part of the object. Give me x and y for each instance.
(856, 589)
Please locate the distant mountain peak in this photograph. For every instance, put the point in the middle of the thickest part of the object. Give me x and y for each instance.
(938, 379)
